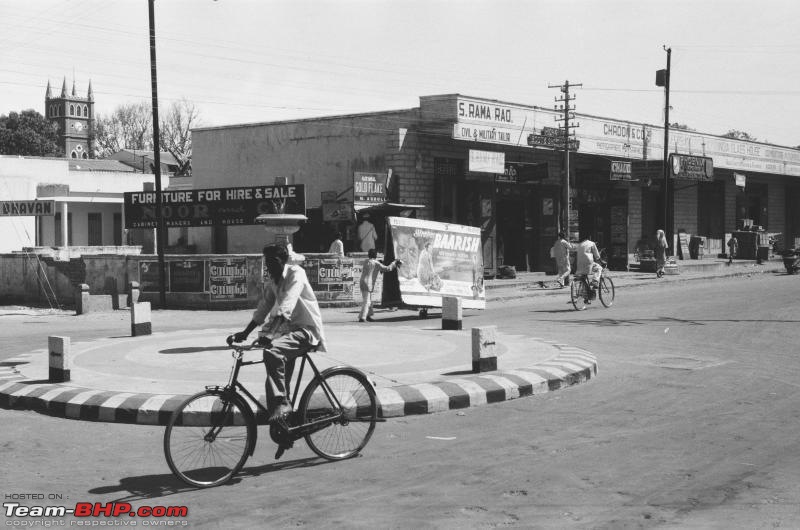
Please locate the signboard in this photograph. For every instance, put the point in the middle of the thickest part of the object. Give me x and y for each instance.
(683, 245)
(552, 138)
(690, 167)
(740, 180)
(227, 279)
(620, 170)
(439, 259)
(187, 276)
(35, 208)
(330, 278)
(486, 161)
(148, 277)
(369, 189)
(213, 207)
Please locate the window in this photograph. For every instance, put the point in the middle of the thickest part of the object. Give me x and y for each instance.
(72, 110)
(85, 111)
(95, 229)
(85, 155)
(74, 154)
(117, 228)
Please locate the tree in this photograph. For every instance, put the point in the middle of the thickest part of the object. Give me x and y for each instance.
(739, 135)
(28, 133)
(680, 127)
(176, 133)
(130, 126)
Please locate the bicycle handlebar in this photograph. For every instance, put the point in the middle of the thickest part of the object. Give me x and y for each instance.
(244, 347)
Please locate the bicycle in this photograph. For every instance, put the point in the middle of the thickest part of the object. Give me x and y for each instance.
(211, 434)
(581, 292)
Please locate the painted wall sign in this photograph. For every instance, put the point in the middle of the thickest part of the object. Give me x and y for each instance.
(620, 170)
(25, 208)
(187, 276)
(215, 206)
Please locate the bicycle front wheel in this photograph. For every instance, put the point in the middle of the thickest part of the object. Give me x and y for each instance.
(577, 293)
(209, 437)
(606, 290)
(343, 402)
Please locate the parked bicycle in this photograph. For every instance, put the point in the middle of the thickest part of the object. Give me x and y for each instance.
(582, 293)
(211, 434)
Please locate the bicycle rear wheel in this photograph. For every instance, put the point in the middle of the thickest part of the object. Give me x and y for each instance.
(577, 293)
(209, 437)
(606, 290)
(349, 428)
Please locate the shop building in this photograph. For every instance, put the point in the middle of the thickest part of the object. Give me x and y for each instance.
(499, 166)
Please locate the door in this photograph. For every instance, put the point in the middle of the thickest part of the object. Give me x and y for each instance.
(95, 236)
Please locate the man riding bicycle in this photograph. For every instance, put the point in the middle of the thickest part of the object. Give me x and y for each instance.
(293, 325)
(589, 264)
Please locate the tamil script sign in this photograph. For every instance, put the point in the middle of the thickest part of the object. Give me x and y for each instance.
(369, 189)
(691, 167)
(620, 170)
(37, 208)
(215, 206)
(439, 259)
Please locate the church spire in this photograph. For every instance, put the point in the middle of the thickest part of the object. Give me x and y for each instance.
(64, 88)
(47, 94)
(74, 93)
(90, 94)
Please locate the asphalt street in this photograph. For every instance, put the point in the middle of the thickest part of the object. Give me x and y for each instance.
(690, 423)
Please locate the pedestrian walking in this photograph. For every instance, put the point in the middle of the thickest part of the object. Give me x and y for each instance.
(733, 248)
(661, 252)
(337, 247)
(560, 252)
(366, 234)
(369, 274)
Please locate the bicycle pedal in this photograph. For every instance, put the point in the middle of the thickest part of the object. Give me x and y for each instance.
(281, 449)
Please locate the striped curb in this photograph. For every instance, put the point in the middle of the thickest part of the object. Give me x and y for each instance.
(571, 366)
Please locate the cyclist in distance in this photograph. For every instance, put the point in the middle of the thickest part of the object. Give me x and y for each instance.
(589, 264)
(293, 324)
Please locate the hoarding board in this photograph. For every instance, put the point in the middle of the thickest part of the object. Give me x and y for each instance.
(187, 276)
(369, 189)
(213, 206)
(227, 279)
(439, 259)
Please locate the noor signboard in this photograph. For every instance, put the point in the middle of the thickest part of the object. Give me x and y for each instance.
(439, 259)
(215, 206)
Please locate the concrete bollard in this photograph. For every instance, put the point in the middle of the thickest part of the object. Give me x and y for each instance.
(452, 312)
(82, 299)
(140, 319)
(484, 349)
(133, 293)
(59, 358)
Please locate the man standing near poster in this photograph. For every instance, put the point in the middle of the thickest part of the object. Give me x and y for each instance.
(366, 234)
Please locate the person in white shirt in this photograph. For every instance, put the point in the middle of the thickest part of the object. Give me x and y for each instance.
(366, 234)
(369, 274)
(293, 324)
(560, 252)
(337, 247)
(589, 263)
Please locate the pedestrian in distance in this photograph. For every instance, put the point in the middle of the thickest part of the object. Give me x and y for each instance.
(661, 252)
(733, 248)
(369, 274)
(560, 252)
(337, 247)
(367, 236)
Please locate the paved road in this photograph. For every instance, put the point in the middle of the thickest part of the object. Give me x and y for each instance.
(691, 422)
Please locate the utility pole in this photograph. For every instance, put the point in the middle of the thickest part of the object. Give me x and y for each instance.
(662, 79)
(567, 109)
(160, 233)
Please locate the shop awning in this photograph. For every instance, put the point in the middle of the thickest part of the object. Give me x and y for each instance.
(390, 208)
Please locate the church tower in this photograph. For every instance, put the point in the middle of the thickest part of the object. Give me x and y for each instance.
(74, 120)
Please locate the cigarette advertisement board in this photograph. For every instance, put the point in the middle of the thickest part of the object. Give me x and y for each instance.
(439, 259)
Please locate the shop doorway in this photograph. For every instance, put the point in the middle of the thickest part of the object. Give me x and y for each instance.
(751, 206)
(652, 218)
(511, 247)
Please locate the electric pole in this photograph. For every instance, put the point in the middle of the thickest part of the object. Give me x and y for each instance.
(563, 104)
(662, 79)
(160, 232)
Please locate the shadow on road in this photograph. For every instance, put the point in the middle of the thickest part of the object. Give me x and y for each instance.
(659, 320)
(165, 484)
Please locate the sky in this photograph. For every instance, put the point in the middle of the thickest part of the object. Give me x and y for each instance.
(735, 64)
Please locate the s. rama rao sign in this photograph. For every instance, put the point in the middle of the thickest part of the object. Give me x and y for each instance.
(214, 206)
(26, 208)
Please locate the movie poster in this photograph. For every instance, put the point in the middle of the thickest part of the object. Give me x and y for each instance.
(439, 259)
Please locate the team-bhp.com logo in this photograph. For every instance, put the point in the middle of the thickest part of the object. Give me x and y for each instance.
(88, 509)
